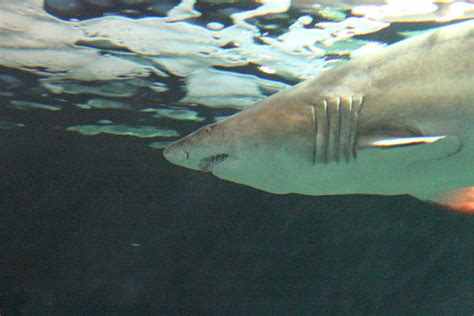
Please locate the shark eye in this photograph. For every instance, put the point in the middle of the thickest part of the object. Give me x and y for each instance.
(207, 129)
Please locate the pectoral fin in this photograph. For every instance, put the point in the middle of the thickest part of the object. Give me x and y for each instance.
(394, 142)
(461, 200)
(413, 147)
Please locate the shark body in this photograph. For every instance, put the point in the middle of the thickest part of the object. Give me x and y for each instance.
(397, 121)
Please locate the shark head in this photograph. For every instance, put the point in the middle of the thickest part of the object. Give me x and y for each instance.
(206, 149)
(248, 147)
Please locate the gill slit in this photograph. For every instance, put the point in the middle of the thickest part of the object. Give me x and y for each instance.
(337, 140)
(326, 133)
(315, 131)
(354, 124)
(335, 136)
(347, 144)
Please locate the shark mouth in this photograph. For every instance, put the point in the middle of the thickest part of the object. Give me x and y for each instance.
(208, 163)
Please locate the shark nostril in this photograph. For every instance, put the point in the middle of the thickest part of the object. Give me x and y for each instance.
(186, 155)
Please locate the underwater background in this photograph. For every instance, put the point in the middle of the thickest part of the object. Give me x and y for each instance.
(95, 221)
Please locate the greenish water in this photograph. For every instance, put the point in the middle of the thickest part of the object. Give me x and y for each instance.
(95, 222)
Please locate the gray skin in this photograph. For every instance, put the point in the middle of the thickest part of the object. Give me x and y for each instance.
(397, 121)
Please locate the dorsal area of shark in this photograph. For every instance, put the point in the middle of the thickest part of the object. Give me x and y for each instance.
(397, 121)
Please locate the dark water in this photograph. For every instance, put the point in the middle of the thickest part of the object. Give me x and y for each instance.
(95, 225)
(104, 225)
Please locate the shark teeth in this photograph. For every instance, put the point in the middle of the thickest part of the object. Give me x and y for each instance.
(206, 164)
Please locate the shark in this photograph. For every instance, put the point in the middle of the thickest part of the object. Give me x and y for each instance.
(397, 121)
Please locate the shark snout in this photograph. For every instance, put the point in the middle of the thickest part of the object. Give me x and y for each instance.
(196, 158)
(175, 153)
